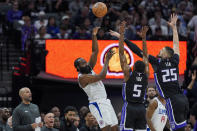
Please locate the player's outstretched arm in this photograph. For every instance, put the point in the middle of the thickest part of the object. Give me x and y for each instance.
(86, 79)
(130, 44)
(123, 61)
(172, 24)
(149, 113)
(142, 34)
(93, 57)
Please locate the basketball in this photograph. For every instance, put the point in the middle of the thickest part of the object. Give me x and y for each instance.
(99, 9)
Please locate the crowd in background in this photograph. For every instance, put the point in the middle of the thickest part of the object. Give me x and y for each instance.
(23, 20)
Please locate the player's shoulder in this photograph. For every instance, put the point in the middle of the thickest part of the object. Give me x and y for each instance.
(154, 102)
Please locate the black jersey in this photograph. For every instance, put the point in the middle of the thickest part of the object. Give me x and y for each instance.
(134, 88)
(166, 75)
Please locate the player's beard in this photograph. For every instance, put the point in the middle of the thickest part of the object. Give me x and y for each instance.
(85, 70)
(151, 97)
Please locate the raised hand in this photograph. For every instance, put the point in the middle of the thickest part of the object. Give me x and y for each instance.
(143, 32)
(194, 75)
(109, 55)
(122, 27)
(95, 30)
(113, 33)
(173, 20)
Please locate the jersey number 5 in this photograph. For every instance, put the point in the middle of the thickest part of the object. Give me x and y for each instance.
(137, 90)
(169, 75)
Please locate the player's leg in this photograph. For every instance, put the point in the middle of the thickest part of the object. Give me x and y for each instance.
(128, 118)
(140, 124)
(114, 128)
(113, 117)
(106, 128)
(177, 109)
(98, 113)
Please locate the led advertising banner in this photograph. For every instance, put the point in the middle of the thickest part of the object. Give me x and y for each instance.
(62, 54)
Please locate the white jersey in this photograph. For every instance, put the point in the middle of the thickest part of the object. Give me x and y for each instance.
(95, 90)
(159, 117)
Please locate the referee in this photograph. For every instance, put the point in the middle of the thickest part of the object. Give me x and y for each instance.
(25, 114)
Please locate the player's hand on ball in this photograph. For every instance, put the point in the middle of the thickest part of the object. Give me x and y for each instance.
(143, 32)
(113, 33)
(109, 55)
(173, 20)
(95, 30)
(122, 27)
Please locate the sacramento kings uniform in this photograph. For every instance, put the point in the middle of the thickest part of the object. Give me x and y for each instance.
(166, 74)
(159, 117)
(133, 111)
(99, 105)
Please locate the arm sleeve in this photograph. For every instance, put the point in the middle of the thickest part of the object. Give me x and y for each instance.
(16, 123)
(134, 48)
(153, 60)
(176, 58)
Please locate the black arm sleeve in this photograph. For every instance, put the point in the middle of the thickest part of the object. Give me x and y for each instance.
(176, 58)
(134, 48)
(153, 60)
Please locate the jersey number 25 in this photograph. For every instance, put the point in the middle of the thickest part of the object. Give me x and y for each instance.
(169, 75)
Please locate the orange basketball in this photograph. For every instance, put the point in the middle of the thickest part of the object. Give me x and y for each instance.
(99, 9)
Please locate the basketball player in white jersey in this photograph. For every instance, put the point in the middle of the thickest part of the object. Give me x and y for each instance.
(156, 114)
(92, 85)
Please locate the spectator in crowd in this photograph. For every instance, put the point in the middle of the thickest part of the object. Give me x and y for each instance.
(76, 122)
(40, 38)
(158, 34)
(114, 10)
(4, 118)
(41, 5)
(128, 4)
(193, 116)
(42, 115)
(66, 23)
(67, 123)
(87, 24)
(9, 124)
(49, 123)
(14, 14)
(149, 5)
(31, 11)
(57, 123)
(52, 28)
(89, 122)
(190, 86)
(55, 5)
(81, 16)
(157, 16)
(106, 25)
(159, 25)
(82, 33)
(82, 113)
(25, 114)
(28, 31)
(96, 125)
(193, 25)
(75, 6)
(102, 35)
(64, 33)
(56, 111)
(130, 32)
(42, 20)
(188, 127)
